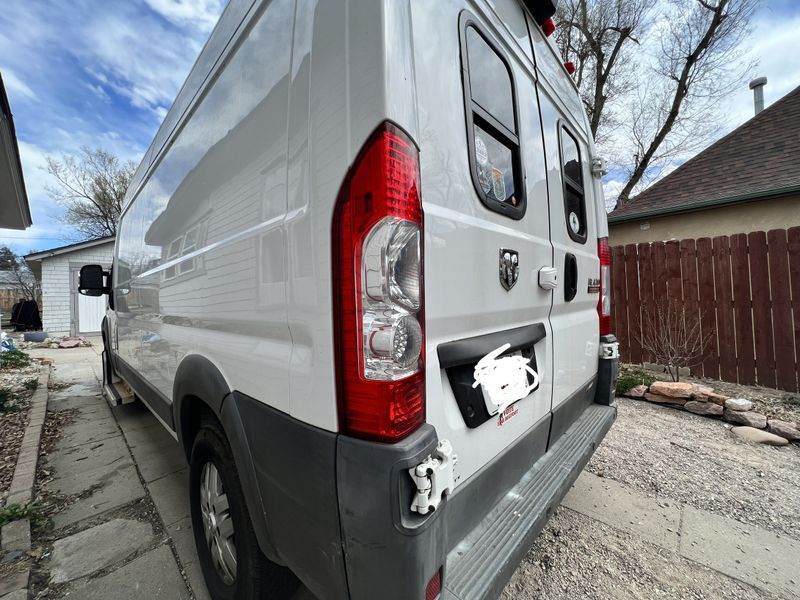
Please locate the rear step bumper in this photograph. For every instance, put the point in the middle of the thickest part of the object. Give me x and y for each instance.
(481, 564)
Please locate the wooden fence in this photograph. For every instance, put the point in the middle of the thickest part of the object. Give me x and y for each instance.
(744, 289)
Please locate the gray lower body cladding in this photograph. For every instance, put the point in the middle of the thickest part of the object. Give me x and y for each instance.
(338, 514)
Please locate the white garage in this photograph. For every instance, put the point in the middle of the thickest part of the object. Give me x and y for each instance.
(64, 310)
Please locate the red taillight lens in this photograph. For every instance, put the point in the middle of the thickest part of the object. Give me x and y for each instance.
(549, 27)
(434, 588)
(570, 67)
(378, 291)
(604, 304)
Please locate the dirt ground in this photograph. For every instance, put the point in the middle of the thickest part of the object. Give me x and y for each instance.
(669, 455)
(18, 384)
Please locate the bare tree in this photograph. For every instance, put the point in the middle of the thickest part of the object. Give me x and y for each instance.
(19, 274)
(91, 187)
(672, 337)
(596, 35)
(699, 62)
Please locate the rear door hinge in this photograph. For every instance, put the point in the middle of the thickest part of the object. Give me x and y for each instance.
(433, 478)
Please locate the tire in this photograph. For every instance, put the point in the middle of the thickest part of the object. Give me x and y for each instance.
(216, 492)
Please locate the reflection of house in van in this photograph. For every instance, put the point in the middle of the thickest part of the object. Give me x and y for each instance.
(64, 311)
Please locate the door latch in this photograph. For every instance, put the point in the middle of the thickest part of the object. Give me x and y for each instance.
(548, 278)
(434, 478)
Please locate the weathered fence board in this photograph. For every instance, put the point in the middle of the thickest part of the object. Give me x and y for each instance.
(742, 310)
(646, 296)
(793, 236)
(744, 289)
(632, 285)
(762, 308)
(708, 317)
(724, 308)
(781, 309)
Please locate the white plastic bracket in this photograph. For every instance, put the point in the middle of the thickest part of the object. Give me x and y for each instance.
(433, 478)
(599, 167)
(609, 350)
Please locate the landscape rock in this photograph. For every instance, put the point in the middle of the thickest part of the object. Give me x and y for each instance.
(69, 344)
(650, 397)
(708, 409)
(701, 392)
(751, 434)
(716, 398)
(97, 548)
(751, 419)
(637, 392)
(672, 389)
(738, 404)
(784, 429)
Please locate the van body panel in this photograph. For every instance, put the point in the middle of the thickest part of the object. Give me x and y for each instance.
(200, 253)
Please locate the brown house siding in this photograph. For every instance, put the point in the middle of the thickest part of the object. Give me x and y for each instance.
(761, 215)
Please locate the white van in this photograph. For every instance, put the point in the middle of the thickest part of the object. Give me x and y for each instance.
(351, 205)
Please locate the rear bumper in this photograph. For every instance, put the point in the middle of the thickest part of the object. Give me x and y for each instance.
(337, 509)
(479, 535)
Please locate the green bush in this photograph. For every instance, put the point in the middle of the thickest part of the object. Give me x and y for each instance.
(630, 378)
(6, 399)
(792, 399)
(15, 512)
(14, 359)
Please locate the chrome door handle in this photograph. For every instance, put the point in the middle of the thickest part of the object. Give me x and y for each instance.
(548, 278)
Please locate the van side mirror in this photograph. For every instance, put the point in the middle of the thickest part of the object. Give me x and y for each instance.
(91, 281)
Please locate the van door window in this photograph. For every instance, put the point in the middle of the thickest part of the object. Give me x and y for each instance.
(574, 196)
(491, 111)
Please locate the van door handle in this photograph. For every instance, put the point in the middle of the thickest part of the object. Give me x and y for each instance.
(570, 277)
(548, 278)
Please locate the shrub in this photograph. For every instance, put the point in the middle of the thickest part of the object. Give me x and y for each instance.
(15, 512)
(630, 378)
(6, 399)
(14, 359)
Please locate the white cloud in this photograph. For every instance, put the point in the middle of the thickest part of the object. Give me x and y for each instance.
(773, 44)
(16, 88)
(139, 59)
(202, 14)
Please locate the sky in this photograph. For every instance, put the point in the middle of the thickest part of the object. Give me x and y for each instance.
(103, 73)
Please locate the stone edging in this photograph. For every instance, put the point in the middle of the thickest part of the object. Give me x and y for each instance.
(17, 534)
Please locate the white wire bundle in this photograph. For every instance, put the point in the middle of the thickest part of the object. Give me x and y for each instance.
(504, 379)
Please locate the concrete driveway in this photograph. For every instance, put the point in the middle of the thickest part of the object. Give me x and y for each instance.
(114, 471)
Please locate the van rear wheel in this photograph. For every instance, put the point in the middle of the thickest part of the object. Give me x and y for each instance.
(234, 567)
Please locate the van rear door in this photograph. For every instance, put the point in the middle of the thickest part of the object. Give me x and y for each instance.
(487, 224)
(574, 232)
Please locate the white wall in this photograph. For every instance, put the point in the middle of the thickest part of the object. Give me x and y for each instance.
(56, 284)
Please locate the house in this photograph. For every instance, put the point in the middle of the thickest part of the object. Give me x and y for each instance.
(747, 181)
(64, 311)
(14, 210)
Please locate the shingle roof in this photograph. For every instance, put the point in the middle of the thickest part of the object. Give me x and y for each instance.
(69, 248)
(756, 160)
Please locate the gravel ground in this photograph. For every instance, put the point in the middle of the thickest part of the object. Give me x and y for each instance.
(668, 453)
(578, 557)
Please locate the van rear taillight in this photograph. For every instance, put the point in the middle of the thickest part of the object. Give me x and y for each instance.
(604, 304)
(378, 291)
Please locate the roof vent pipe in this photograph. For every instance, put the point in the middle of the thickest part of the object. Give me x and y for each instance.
(757, 85)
